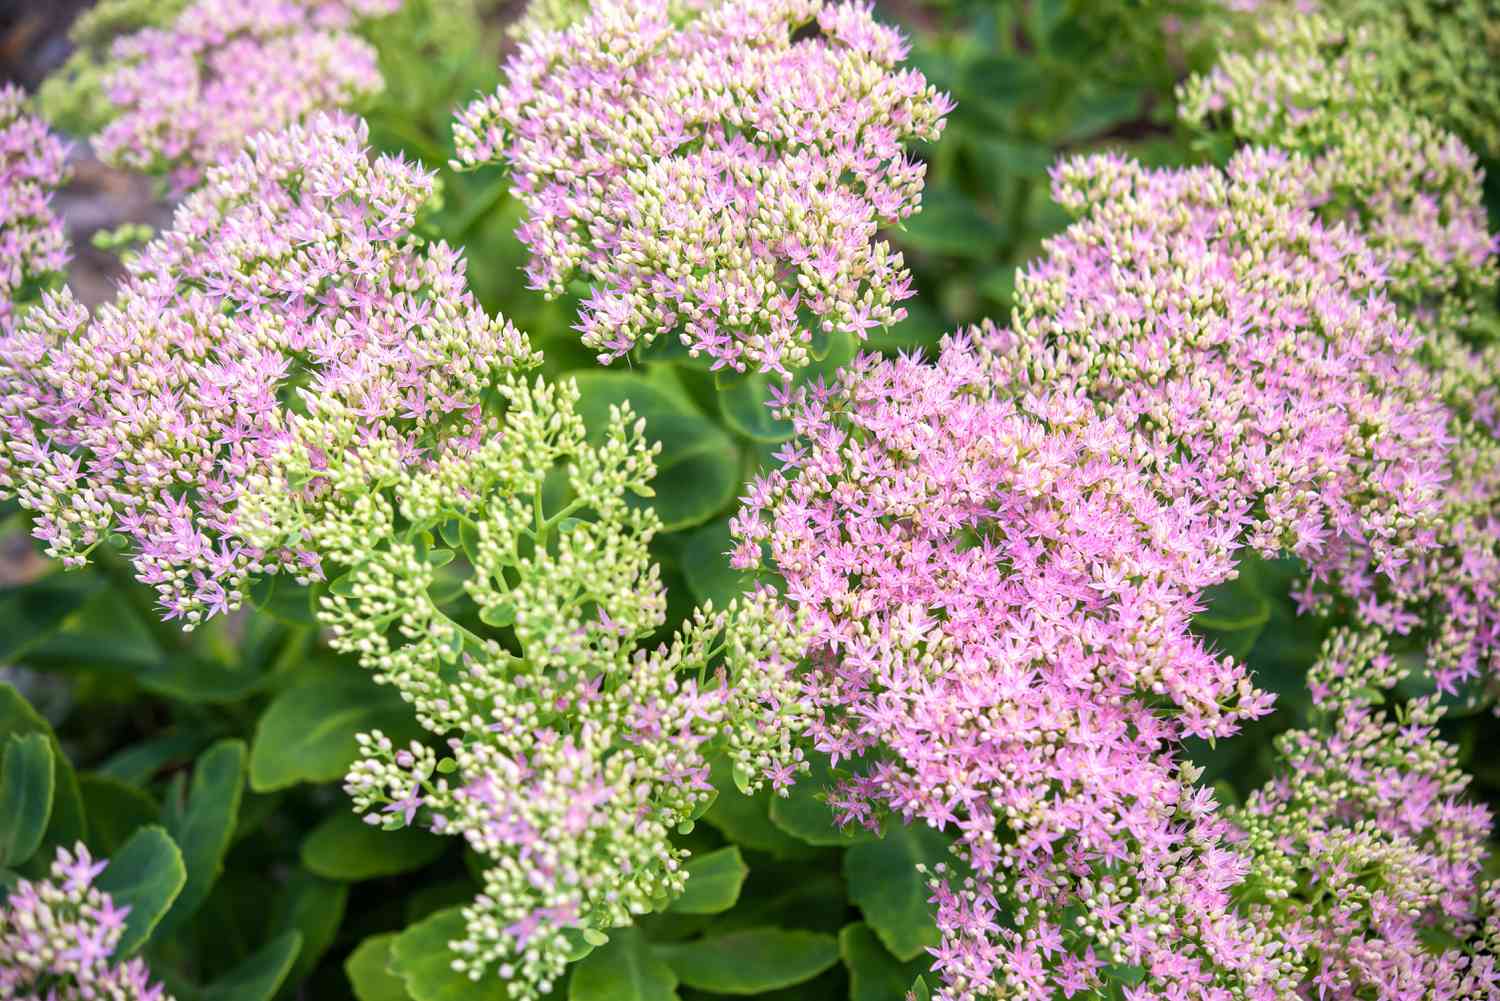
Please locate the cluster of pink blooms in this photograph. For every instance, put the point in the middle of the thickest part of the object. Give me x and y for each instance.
(188, 95)
(286, 285)
(999, 582)
(57, 937)
(717, 176)
(1414, 192)
(1000, 552)
(33, 164)
(1000, 593)
(1363, 846)
(1249, 342)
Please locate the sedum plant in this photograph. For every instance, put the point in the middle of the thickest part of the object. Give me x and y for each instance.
(33, 165)
(174, 88)
(680, 164)
(1414, 192)
(572, 746)
(1364, 850)
(288, 282)
(991, 682)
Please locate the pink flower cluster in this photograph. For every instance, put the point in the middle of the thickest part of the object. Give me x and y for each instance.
(999, 591)
(999, 553)
(286, 285)
(32, 166)
(1414, 192)
(57, 936)
(188, 95)
(1363, 846)
(1251, 344)
(712, 175)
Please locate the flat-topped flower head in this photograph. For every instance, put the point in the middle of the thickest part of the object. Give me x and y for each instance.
(1364, 853)
(1383, 164)
(998, 590)
(58, 936)
(716, 176)
(187, 94)
(287, 283)
(505, 588)
(33, 164)
(1250, 342)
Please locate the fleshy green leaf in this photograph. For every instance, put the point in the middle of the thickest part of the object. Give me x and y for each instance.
(199, 680)
(950, 225)
(25, 796)
(146, 875)
(283, 598)
(17, 717)
(367, 971)
(714, 882)
(698, 470)
(315, 908)
(804, 815)
(259, 977)
(307, 733)
(746, 820)
(32, 612)
(885, 884)
(345, 847)
(421, 957)
(1237, 611)
(115, 810)
(706, 565)
(744, 402)
(874, 974)
(206, 823)
(750, 961)
(623, 969)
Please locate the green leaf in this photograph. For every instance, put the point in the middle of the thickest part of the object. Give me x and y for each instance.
(746, 820)
(751, 961)
(32, 612)
(259, 977)
(115, 810)
(714, 882)
(18, 718)
(25, 796)
(146, 875)
(207, 822)
(107, 633)
(421, 957)
(874, 974)
(313, 907)
(622, 970)
(744, 402)
(705, 564)
(885, 884)
(199, 680)
(804, 814)
(345, 847)
(810, 896)
(1237, 611)
(499, 616)
(307, 733)
(367, 971)
(698, 470)
(136, 764)
(283, 598)
(951, 225)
